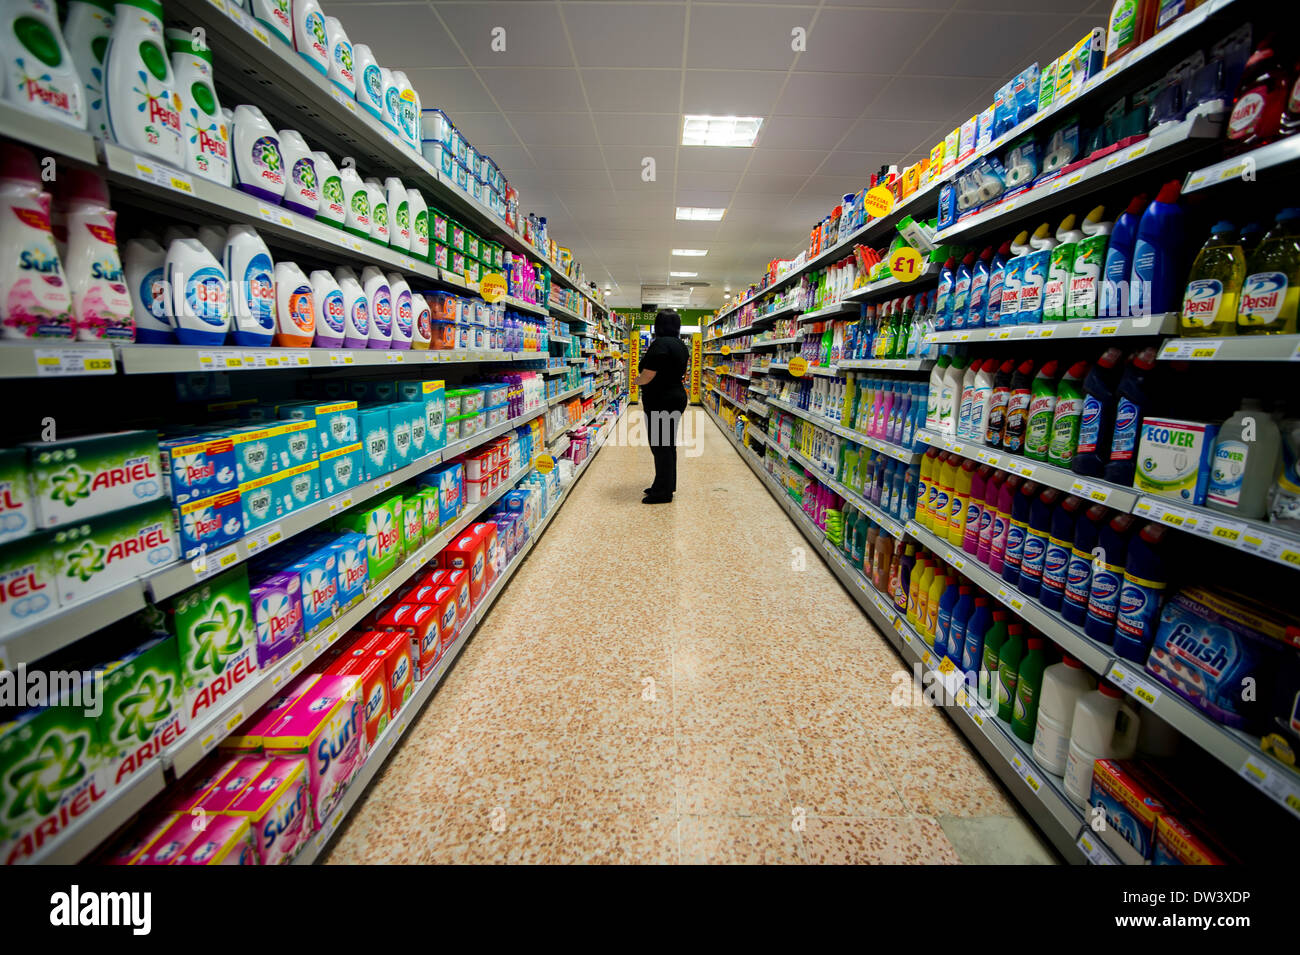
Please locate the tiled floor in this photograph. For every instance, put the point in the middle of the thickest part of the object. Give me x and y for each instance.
(660, 685)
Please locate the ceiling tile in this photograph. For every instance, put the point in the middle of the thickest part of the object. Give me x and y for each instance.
(1026, 6)
(842, 162)
(723, 37)
(882, 39)
(951, 52)
(731, 92)
(626, 34)
(511, 160)
(790, 161)
(567, 157)
(633, 91)
(801, 132)
(723, 182)
(702, 197)
(485, 130)
(637, 129)
(554, 129)
(829, 94)
(401, 35)
(534, 35)
(831, 189)
(451, 90)
(629, 180)
(712, 158)
(551, 91)
(930, 98)
(771, 185)
(890, 136)
(629, 158)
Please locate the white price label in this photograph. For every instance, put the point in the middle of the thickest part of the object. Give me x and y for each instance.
(266, 537)
(162, 176)
(1281, 784)
(205, 565)
(67, 362)
(1096, 329)
(341, 358)
(1126, 678)
(1093, 492)
(1092, 850)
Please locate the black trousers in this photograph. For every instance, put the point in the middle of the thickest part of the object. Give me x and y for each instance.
(661, 429)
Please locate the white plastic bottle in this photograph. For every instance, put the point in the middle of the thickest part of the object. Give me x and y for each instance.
(418, 213)
(259, 161)
(40, 76)
(146, 281)
(341, 73)
(35, 301)
(1245, 460)
(332, 207)
(1105, 727)
(295, 309)
(331, 319)
(356, 200)
(949, 406)
(214, 240)
(964, 401)
(399, 214)
(100, 301)
(144, 106)
(370, 80)
(1064, 684)
(392, 101)
(356, 309)
(379, 213)
(276, 14)
(200, 293)
(205, 137)
(421, 323)
(981, 395)
(86, 32)
(403, 310)
(310, 38)
(251, 271)
(380, 297)
(408, 110)
(302, 184)
(934, 390)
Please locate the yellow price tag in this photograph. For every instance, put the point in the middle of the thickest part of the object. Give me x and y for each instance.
(798, 366)
(946, 666)
(879, 202)
(906, 264)
(1227, 533)
(99, 364)
(1290, 557)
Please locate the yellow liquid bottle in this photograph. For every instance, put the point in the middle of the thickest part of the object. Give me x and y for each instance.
(937, 588)
(943, 501)
(960, 503)
(1271, 292)
(924, 491)
(923, 595)
(1214, 286)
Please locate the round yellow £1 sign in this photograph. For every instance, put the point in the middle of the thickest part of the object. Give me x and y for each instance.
(906, 264)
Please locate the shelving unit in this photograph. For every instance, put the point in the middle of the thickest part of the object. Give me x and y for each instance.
(1144, 325)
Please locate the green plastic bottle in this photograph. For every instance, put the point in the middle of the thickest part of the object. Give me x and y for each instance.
(859, 554)
(1042, 408)
(1214, 286)
(1063, 441)
(1089, 257)
(1029, 685)
(994, 637)
(1060, 265)
(1271, 293)
(1009, 654)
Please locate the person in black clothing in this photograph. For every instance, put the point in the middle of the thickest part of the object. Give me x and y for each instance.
(663, 398)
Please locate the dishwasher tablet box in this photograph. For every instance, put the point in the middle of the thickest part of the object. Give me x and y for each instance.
(400, 415)
(1174, 459)
(1179, 844)
(341, 468)
(1130, 804)
(336, 422)
(276, 809)
(376, 441)
(79, 478)
(197, 467)
(104, 552)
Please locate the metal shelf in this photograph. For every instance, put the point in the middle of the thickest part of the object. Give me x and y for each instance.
(776, 341)
(67, 625)
(885, 364)
(564, 396)
(839, 308)
(1258, 538)
(156, 359)
(892, 526)
(757, 407)
(1233, 348)
(46, 136)
(730, 399)
(1163, 323)
(1249, 163)
(885, 287)
(895, 451)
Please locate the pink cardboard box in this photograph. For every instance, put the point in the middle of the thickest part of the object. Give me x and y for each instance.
(224, 840)
(277, 811)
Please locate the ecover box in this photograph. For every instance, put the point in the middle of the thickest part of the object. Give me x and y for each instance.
(382, 525)
(1174, 459)
(79, 478)
(376, 441)
(102, 552)
(143, 706)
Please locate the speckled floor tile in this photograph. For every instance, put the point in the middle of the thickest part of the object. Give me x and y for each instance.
(729, 840)
(914, 840)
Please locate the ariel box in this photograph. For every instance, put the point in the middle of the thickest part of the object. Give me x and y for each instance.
(324, 726)
(28, 587)
(142, 706)
(17, 510)
(103, 552)
(276, 808)
(78, 478)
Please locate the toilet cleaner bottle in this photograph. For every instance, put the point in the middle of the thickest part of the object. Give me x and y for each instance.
(101, 303)
(1156, 278)
(35, 299)
(295, 307)
(987, 678)
(1060, 266)
(1107, 578)
(1056, 557)
(1008, 492)
(1029, 684)
(1009, 654)
(972, 648)
(251, 271)
(1115, 298)
(86, 32)
(992, 310)
(1013, 278)
(1097, 416)
(200, 293)
(144, 105)
(944, 301)
(1130, 410)
(1042, 406)
(999, 398)
(144, 262)
(961, 291)
(1033, 276)
(1089, 261)
(979, 289)
(1037, 533)
(1017, 528)
(1078, 572)
(1063, 439)
(205, 135)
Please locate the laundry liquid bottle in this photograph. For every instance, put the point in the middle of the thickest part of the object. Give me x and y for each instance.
(356, 201)
(332, 208)
(422, 323)
(1107, 578)
(1156, 276)
(380, 221)
(1067, 418)
(370, 81)
(1009, 654)
(961, 291)
(1097, 417)
(1247, 452)
(1038, 532)
(418, 213)
(310, 37)
(403, 311)
(251, 270)
(979, 289)
(295, 307)
(1012, 279)
(408, 106)
(144, 104)
(330, 311)
(101, 303)
(1056, 556)
(380, 296)
(302, 193)
(1089, 262)
(1042, 408)
(392, 94)
(1270, 294)
(144, 262)
(200, 293)
(356, 309)
(205, 135)
(40, 75)
(1214, 286)
(992, 309)
(1033, 276)
(1114, 292)
(1064, 684)
(86, 32)
(1060, 266)
(1105, 726)
(341, 72)
(259, 161)
(35, 300)
(1130, 410)
(276, 14)
(1029, 686)
(1078, 573)
(399, 213)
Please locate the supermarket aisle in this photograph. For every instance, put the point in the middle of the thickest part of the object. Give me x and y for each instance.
(676, 709)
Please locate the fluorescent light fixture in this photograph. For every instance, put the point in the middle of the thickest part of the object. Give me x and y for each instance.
(700, 214)
(726, 295)
(683, 275)
(690, 251)
(736, 131)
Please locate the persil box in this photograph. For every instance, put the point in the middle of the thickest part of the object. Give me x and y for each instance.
(341, 468)
(382, 525)
(324, 727)
(428, 395)
(1130, 804)
(275, 808)
(320, 589)
(428, 498)
(412, 523)
(207, 524)
(336, 422)
(352, 565)
(373, 674)
(1174, 459)
(449, 483)
(277, 612)
(78, 478)
(394, 648)
(376, 441)
(197, 467)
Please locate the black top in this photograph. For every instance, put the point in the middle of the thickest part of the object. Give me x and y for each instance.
(668, 358)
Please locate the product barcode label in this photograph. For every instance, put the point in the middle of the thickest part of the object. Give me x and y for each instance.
(66, 362)
(1095, 329)
(1281, 784)
(1092, 850)
(219, 360)
(341, 358)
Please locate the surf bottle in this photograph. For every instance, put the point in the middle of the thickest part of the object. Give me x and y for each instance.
(944, 300)
(310, 38)
(341, 72)
(961, 291)
(1063, 440)
(259, 161)
(35, 299)
(1033, 276)
(295, 307)
(979, 289)
(1271, 292)
(144, 105)
(1114, 292)
(1107, 578)
(1037, 533)
(200, 293)
(1056, 556)
(1086, 271)
(1078, 573)
(1130, 409)
(1013, 279)
(1097, 416)
(276, 14)
(1060, 266)
(328, 306)
(41, 78)
(999, 396)
(1156, 274)
(1017, 528)
(380, 296)
(1142, 590)
(1042, 406)
(101, 303)
(1029, 684)
(403, 311)
(331, 208)
(356, 309)
(1214, 286)
(205, 135)
(992, 311)
(370, 81)
(1009, 654)
(144, 262)
(86, 31)
(972, 649)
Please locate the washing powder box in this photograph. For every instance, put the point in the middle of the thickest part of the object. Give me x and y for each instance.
(341, 468)
(401, 421)
(79, 478)
(279, 494)
(210, 523)
(137, 839)
(419, 621)
(352, 564)
(170, 843)
(28, 588)
(336, 422)
(195, 467)
(412, 524)
(223, 794)
(373, 674)
(319, 574)
(449, 482)
(276, 810)
(261, 451)
(103, 552)
(1130, 804)
(17, 508)
(142, 706)
(376, 442)
(394, 648)
(428, 498)
(277, 614)
(1178, 844)
(1174, 459)
(219, 840)
(247, 739)
(430, 395)
(382, 525)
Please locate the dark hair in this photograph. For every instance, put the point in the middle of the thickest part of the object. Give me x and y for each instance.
(668, 322)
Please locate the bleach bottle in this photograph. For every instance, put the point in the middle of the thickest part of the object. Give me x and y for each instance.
(958, 619)
(1089, 261)
(310, 37)
(1063, 440)
(259, 162)
(1145, 577)
(1097, 418)
(1115, 298)
(979, 289)
(1156, 277)
(40, 76)
(961, 291)
(944, 301)
(144, 106)
(943, 618)
(1107, 578)
(1017, 529)
(1130, 409)
(295, 307)
(330, 313)
(205, 138)
(144, 263)
(1060, 265)
(1037, 533)
(356, 309)
(251, 271)
(86, 31)
(1012, 280)
(972, 647)
(100, 300)
(1078, 573)
(1042, 407)
(200, 293)
(989, 520)
(992, 307)
(340, 73)
(380, 296)
(1064, 684)
(1008, 493)
(1056, 556)
(1033, 276)
(35, 299)
(1104, 727)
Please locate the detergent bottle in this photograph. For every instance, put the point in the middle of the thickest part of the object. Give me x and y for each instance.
(276, 14)
(1067, 417)
(310, 37)
(341, 71)
(408, 111)
(1115, 299)
(990, 521)
(1017, 529)
(1009, 654)
(1097, 418)
(100, 301)
(391, 96)
(1042, 407)
(251, 271)
(1029, 685)
(964, 478)
(950, 396)
(356, 309)
(1247, 452)
(356, 203)
(1056, 556)
(1140, 595)
(943, 618)
(1107, 578)
(205, 135)
(977, 298)
(1271, 291)
(992, 309)
(937, 374)
(418, 212)
(1078, 573)
(302, 193)
(981, 398)
(1033, 276)
(948, 466)
(1013, 278)
(380, 217)
(916, 600)
(399, 212)
(422, 323)
(331, 208)
(1130, 409)
(1037, 533)
(1214, 286)
(295, 307)
(259, 162)
(963, 406)
(370, 80)
(200, 293)
(380, 296)
(994, 637)
(961, 291)
(972, 648)
(1156, 275)
(1007, 495)
(41, 76)
(1064, 684)
(927, 486)
(86, 31)
(144, 105)
(1262, 96)
(1089, 260)
(1104, 727)
(403, 311)
(1060, 266)
(960, 617)
(330, 313)
(144, 264)
(944, 301)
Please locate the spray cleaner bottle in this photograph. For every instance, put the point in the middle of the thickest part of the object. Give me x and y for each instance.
(1089, 261)
(1033, 278)
(1060, 266)
(1042, 406)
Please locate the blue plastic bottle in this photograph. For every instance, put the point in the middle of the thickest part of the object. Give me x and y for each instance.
(1017, 530)
(1097, 419)
(1056, 559)
(1114, 298)
(979, 289)
(943, 300)
(1155, 282)
(1145, 577)
(992, 310)
(961, 612)
(961, 291)
(972, 651)
(1012, 280)
(944, 622)
(1037, 534)
(1033, 276)
(1130, 409)
(1078, 574)
(896, 498)
(1107, 578)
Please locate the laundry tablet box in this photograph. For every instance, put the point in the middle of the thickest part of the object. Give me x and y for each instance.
(207, 524)
(376, 441)
(382, 526)
(169, 844)
(142, 706)
(1174, 459)
(276, 809)
(260, 451)
(100, 553)
(341, 468)
(219, 840)
(278, 494)
(79, 478)
(430, 396)
(336, 422)
(195, 467)
(402, 417)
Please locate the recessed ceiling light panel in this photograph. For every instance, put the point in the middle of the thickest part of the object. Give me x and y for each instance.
(700, 214)
(683, 275)
(690, 252)
(729, 131)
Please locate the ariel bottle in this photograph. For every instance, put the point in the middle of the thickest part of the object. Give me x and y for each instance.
(403, 310)
(370, 82)
(1214, 286)
(331, 317)
(379, 214)
(40, 75)
(295, 307)
(380, 296)
(399, 214)
(302, 182)
(356, 309)
(259, 162)
(100, 299)
(35, 301)
(86, 31)
(310, 38)
(417, 212)
(251, 271)
(341, 73)
(276, 14)
(356, 203)
(332, 208)
(144, 105)
(146, 282)
(205, 136)
(200, 293)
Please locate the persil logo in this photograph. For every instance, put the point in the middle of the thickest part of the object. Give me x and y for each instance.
(212, 144)
(1205, 654)
(1263, 293)
(49, 95)
(197, 473)
(160, 113)
(1202, 298)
